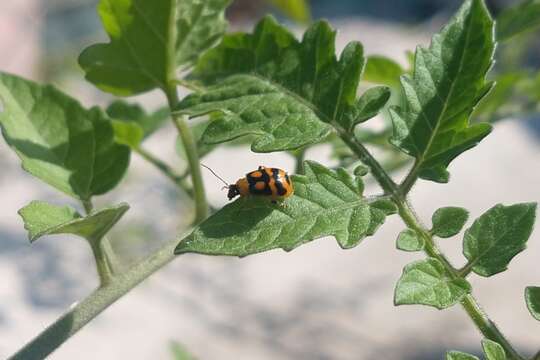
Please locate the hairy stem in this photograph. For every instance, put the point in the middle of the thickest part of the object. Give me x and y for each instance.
(199, 195)
(81, 313)
(178, 180)
(398, 194)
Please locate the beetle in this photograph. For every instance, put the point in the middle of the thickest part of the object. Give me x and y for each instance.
(270, 182)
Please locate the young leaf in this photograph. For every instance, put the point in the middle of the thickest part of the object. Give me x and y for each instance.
(324, 203)
(532, 298)
(41, 218)
(367, 106)
(492, 350)
(149, 40)
(59, 141)
(448, 221)
(408, 240)
(497, 236)
(361, 170)
(517, 19)
(279, 89)
(458, 355)
(382, 70)
(424, 282)
(448, 82)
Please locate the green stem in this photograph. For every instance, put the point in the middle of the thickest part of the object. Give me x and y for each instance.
(488, 327)
(466, 270)
(79, 315)
(190, 148)
(299, 157)
(178, 180)
(104, 270)
(102, 251)
(398, 194)
(387, 184)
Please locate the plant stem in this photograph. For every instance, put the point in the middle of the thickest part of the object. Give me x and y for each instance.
(398, 194)
(488, 327)
(178, 180)
(102, 251)
(81, 313)
(387, 184)
(104, 270)
(299, 157)
(199, 195)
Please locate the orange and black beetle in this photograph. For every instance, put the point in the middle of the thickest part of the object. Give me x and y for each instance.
(271, 182)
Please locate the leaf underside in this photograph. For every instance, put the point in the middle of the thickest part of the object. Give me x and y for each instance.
(325, 203)
(41, 218)
(458, 355)
(493, 350)
(424, 282)
(408, 240)
(447, 83)
(58, 141)
(497, 236)
(284, 91)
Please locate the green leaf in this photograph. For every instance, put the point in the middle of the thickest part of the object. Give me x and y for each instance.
(58, 141)
(134, 114)
(41, 218)
(458, 355)
(492, 350)
(279, 89)
(448, 82)
(361, 170)
(366, 107)
(448, 221)
(379, 209)
(424, 282)
(532, 298)
(127, 133)
(517, 19)
(325, 203)
(149, 40)
(382, 70)
(297, 10)
(497, 236)
(408, 240)
(132, 124)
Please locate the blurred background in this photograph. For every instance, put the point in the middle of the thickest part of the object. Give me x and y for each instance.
(318, 302)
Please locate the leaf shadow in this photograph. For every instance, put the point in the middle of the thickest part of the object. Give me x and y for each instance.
(238, 218)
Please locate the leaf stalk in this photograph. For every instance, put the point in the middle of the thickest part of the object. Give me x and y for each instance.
(190, 148)
(102, 251)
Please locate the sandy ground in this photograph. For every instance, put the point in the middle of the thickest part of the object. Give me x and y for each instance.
(318, 302)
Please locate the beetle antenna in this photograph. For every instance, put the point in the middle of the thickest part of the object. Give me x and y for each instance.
(216, 175)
